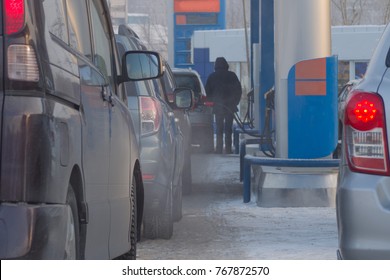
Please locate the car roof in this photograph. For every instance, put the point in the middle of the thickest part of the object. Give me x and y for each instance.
(184, 70)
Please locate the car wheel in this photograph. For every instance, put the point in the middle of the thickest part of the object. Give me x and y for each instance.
(72, 234)
(187, 176)
(132, 254)
(160, 225)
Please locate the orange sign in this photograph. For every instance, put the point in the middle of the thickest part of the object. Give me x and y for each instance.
(310, 77)
(195, 6)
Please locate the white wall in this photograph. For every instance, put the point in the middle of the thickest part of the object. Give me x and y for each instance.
(348, 42)
(228, 43)
(355, 42)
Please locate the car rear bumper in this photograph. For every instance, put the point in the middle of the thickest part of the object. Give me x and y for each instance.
(157, 176)
(33, 231)
(363, 215)
(201, 116)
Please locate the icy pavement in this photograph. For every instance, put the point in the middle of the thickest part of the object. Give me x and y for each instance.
(217, 225)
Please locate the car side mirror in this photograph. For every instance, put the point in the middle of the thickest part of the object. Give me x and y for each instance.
(141, 65)
(184, 98)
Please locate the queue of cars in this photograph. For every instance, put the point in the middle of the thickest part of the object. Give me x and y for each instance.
(159, 108)
(71, 178)
(92, 149)
(363, 188)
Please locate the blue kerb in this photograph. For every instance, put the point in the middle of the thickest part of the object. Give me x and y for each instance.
(252, 160)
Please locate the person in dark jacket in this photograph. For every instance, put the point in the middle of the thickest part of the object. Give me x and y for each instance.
(224, 89)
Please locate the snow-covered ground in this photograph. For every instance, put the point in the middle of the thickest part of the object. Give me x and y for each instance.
(217, 225)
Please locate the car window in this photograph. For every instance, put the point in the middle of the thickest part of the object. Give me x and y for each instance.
(158, 88)
(143, 87)
(55, 19)
(189, 81)
(169, 82)
(123, 44)
(79, 36)
(102, 56)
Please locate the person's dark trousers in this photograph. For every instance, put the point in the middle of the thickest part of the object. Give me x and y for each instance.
(219, 121)
(228, 133)
(224, 123)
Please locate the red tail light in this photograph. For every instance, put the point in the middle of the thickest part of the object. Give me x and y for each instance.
(150, 111)
(365, 133)
(14, 16)
(208, 104)
(148, 177)
(205, 102)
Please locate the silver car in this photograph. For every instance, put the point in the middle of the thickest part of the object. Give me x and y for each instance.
(363, 191)
(161, 142)
(342, 97)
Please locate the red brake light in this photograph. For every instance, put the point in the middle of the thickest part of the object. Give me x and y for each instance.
(208, 104)
(150, 111)
(14, 16)
(148, 177)
(365, 111)
(203, 101)
(365, 133)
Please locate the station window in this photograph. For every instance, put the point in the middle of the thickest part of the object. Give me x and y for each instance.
(351, 70)
(360, 69)
(343, 73)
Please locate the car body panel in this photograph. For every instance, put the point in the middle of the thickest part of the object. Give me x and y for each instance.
(71, 128)
(160, 150)
(362, 199)
(363, 203)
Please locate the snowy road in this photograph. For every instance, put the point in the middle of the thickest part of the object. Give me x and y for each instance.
(217, 225)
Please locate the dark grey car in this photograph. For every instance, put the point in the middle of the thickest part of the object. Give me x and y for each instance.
(201, 117)
(71, 182)
(363, 190)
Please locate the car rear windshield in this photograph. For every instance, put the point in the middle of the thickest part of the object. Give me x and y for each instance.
(188, 81)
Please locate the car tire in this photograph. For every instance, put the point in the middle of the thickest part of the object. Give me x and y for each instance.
(160, 225)
(72, 245)
(132, 254)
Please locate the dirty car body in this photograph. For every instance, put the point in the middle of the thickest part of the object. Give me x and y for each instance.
(71, 182)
